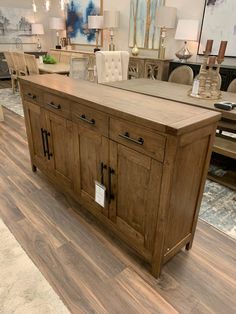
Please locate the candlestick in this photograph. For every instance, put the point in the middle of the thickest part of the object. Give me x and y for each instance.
(222, 49)
(209, 45)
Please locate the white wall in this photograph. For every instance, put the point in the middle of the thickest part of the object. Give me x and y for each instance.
(192, 9)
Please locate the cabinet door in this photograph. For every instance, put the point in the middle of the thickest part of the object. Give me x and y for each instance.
(35, 127)
(135, 186)
(91, 158)
(60, 148)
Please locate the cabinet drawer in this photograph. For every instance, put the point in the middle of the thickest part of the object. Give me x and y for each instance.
(57, 104)
(32, 95)
(90, 118)
(138, 138)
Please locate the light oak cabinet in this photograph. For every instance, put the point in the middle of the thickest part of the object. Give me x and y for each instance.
(151, 155)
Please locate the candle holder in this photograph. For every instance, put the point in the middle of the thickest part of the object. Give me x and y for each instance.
(206, 84)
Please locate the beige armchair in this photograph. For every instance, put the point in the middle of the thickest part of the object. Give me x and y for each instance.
(112, 66)
(182, 75)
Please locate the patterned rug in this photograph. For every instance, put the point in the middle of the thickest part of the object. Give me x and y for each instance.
(218, 205)
(23, 289)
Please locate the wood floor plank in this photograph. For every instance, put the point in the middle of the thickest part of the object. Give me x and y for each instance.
(92, 270)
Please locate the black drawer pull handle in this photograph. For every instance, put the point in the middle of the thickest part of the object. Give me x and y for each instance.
(103, 166)
(83, 118)
(54, 106)
(126, 136)
(31, 96)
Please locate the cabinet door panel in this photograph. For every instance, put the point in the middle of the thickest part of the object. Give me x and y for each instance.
(35, 124)
(136, 186)
(90, 153)
(61, 147)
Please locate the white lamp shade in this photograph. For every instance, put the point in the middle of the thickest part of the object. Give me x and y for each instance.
(111, 19)
(95, 22)
(57, 23)
(187, 30)
(37, 29)
(166, 17)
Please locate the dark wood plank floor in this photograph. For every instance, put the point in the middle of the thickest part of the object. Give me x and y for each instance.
(90, 269)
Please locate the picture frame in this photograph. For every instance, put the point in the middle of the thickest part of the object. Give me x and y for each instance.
(15, 26)
(77, 22)
(217, 13)
(143, 31)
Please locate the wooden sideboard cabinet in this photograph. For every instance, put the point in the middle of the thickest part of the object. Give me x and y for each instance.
(4, 72)
(150, 154)
(145, 67)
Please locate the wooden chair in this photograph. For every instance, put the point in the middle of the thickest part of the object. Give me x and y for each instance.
(31, 63)
(55, 54)
(12, 69)
(182, 75)
(232, 87)
(65, 57)
(19, 61)
(79, 68)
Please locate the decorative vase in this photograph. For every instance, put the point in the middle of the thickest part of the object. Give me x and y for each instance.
(135, 50)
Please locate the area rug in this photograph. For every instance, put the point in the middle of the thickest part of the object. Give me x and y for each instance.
(11, 101)
(219, 203)
(23, 289)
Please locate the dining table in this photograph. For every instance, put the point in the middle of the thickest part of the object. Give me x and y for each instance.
(57, 68)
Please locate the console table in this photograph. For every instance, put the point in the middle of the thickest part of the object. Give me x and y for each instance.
(150, 156)
(227, 72)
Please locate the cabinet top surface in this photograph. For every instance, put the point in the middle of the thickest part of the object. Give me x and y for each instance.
(157, 113)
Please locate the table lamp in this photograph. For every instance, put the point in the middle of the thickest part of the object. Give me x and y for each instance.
(111, 21)
(95, 22)
(165, 19)
(37, 29)
(58, 24)
(186, 30)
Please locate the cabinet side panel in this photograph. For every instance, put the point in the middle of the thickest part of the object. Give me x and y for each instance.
(187, 178)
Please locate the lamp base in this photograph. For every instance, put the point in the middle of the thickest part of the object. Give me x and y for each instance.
(184, 54)
(58, 46)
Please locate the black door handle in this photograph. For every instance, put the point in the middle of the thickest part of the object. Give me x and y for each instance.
(83, 118)
(126, 136)
(54, 106)
(47, 144)
(43, 141)
(110, 194)
(103, 166)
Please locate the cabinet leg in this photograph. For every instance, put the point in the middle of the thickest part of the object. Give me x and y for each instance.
(156, 270)
(189, 245)
(34, 168)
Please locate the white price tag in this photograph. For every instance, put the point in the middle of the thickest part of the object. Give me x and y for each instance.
(100, 194)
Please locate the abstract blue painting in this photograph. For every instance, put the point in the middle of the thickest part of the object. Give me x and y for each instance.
(77, 21)
(143, 30)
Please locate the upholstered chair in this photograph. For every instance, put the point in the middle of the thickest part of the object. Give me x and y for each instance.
(79, 68)
(112, 66)
(182, 75)
(232, 87)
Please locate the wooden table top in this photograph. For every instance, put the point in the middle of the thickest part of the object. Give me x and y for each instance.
(161, 115)
(60, 68)
(176, 92)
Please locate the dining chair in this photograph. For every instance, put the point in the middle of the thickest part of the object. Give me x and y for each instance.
(55, 54)
(182, 75)
(19, 61)
(12, 69)
(79, 68)
(232, 87)
(31, 64)
(112, 66)
(65, 57)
